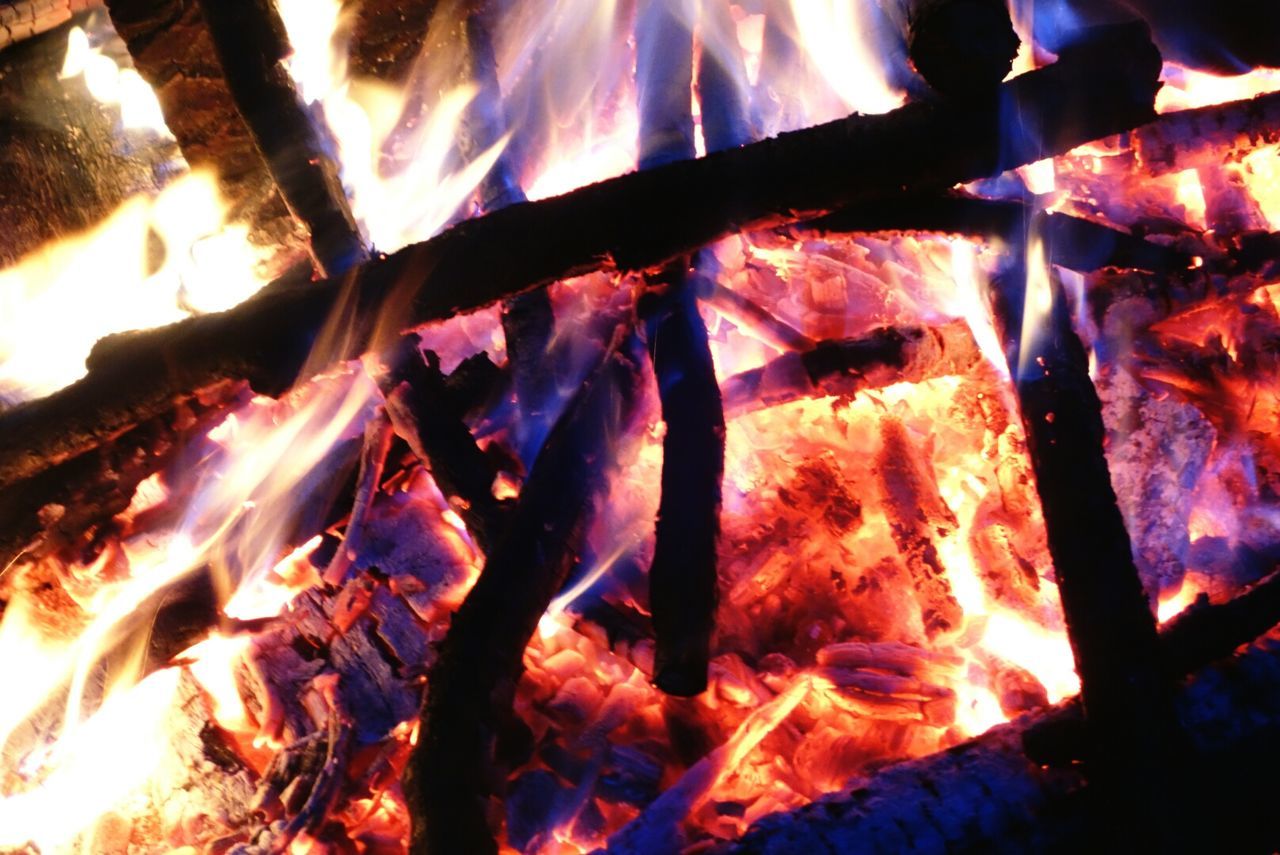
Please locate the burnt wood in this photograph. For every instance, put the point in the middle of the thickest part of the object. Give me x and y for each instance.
(1134, 759)
(958, 46)
(682, 575)
(1072, 242)
(173, 50)
(251, 44)
(450, 777)
(988, 795)
(845, 367)
(22, 19)
(418, 402)
(634, 222)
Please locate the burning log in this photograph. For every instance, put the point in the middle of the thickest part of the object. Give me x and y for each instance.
(418, 403)
(958, 46)
(472, 685)
(173, 50)
(251, 43)
(1073, 242)
(1092, 91)
(917, 514)
(849, 366)
(987, 793)
(1190, 138)
(373, 458)
(682, 577)
(22, 19)
(1109, 622)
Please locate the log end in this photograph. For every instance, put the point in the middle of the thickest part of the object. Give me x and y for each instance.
(963, 46)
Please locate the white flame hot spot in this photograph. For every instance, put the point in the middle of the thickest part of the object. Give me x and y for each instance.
(113, 85)
(103, 281)
(839, 38)
(1037, 304)
(416, 199)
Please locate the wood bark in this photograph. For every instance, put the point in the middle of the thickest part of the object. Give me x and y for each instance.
(1208, 135)
(173, 50)
(1072, 242)
(682, 575)
(64, 166)
(251, 44)
(1135, 759)
(449, 778)
(846, 367)
(418, 403)
(23, 19)
(1090, 92)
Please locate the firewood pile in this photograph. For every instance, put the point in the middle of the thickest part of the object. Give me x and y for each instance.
(819, 485)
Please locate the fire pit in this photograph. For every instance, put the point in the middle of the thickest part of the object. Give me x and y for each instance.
(567, 426)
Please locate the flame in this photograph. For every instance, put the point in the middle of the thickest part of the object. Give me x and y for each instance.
(108, 760)
(1188, 89)
(415, 199)
(112, 84)
(840, 43)
(109, 278)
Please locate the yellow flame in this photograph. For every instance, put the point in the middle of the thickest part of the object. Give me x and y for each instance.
(419, 197)
(100, 767)
(113, 85)
(1190, 194)
(837, 36)
(56, 302)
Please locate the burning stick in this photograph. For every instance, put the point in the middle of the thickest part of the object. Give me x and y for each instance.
(1073, 242)
(1094, 90)
(682, 577)
(917, 514)
(172, 49)
(251, 44)
(471, 687)
(418, 403)
(848, 366)
(1109, 622)
(1190, 138)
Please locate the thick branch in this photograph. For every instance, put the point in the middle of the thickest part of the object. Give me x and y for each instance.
(1089, 93)
(251, 43)
(472, 686)
(848, 366)
(1109, 622)
(1191, 138)
(1072, 242)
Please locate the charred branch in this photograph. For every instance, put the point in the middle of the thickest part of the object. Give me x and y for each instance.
(251, 44)
(1092, 91)
(418, 402)
(1109, 622)
(1072, 242)
(173, 50)
(682, 576)
(849, 366)
(472, 685)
